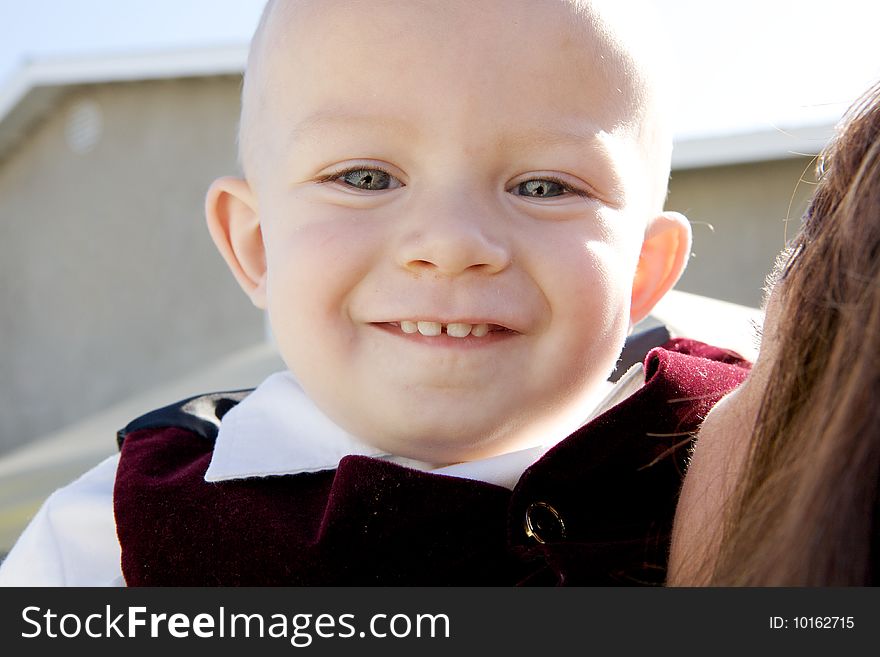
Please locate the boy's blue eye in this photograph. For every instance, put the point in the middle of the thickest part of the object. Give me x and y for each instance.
(369, 179)
(541, 188)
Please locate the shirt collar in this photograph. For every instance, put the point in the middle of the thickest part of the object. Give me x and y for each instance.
(278, 430)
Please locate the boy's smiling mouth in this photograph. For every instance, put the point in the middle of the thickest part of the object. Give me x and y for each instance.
(452, 329)
(439, 330)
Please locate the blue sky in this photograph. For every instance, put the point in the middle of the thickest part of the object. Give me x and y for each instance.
(740, 63)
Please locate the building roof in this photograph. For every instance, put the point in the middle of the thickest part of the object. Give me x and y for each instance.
(755, 145)
(34, 89)
(31, 93)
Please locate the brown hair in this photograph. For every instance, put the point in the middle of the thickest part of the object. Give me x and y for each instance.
(805, 512)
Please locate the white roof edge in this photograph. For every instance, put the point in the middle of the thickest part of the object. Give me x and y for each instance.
(54, 72)
(757, 145)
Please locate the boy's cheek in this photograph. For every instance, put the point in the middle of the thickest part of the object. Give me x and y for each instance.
(592, 307)
(591, 279)
(320, 253)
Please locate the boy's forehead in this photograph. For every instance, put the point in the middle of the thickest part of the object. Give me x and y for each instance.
(574, 24)
(387, 39)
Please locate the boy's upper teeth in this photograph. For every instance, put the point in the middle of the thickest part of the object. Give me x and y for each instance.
(453, 329)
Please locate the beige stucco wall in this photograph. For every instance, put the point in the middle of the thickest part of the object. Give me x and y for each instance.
(110, 284)
(746, 207)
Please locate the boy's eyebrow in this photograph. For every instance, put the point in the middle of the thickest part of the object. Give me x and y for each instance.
(553, 136)
(330, 118)
(580, 134)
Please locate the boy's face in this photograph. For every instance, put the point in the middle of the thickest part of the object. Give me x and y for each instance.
(442, 167)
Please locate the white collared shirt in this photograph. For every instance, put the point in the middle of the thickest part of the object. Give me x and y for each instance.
(275, 430)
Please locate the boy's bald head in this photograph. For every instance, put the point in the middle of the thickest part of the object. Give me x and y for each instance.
(616, 36)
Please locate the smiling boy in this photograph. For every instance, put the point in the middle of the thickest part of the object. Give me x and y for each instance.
(478, 165)
(452, 214)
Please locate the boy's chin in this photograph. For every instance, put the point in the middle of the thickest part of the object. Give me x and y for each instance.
(455, 435)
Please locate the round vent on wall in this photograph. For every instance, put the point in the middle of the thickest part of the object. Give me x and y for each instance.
(84, 126)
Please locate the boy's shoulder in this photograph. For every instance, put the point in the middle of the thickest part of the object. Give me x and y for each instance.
(199, 414)
(71, 541)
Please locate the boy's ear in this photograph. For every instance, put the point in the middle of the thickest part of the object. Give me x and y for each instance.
(234, 224)
(663, 258)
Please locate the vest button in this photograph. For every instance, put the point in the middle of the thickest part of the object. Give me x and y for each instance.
(543, 523)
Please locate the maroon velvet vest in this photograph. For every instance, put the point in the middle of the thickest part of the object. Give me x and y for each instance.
(596, 509)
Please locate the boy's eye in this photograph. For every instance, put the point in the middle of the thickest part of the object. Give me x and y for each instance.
(541, 188)
(369, 179)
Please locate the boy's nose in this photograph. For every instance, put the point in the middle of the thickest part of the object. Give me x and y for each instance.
(450, 243)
